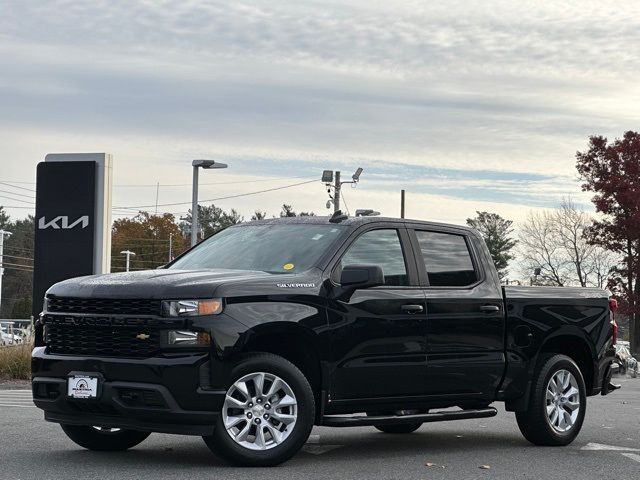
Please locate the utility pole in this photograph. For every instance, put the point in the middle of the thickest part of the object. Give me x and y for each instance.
(2, 234)
(170, 246)
(157, 192)
(336, 193)
(128, 253)
(402, 203)
(328, 177)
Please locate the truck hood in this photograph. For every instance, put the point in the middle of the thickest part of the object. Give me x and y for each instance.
(160, 284)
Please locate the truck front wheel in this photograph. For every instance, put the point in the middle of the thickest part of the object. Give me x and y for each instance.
(104, 439)
(557, 405)
(267, 415)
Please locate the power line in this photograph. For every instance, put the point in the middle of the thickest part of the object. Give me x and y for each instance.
(148, 239)
(344, 200)
(208, 183)
(12, 183)
(10, 247)
(7, 264)
(17, 269)
(224, 198)
(17, 200)
(158, 262)
(20, 258)
(18, 194)
(228, 197)
(8, 184)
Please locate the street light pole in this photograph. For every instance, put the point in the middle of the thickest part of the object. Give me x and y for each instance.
(2, 234)
(336, 193)
(194, 208)
(128, 253)
(207, 164)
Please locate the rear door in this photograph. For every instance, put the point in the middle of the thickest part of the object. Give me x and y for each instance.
(465, 326)
(378, 334)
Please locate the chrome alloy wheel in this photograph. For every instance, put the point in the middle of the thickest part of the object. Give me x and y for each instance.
(562, 401)
(260, 411)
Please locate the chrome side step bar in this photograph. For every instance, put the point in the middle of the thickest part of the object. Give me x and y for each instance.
(362, 420)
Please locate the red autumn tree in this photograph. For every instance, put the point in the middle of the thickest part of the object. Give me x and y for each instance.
(611, 170)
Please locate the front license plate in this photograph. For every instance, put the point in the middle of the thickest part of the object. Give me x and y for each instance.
(81, 386)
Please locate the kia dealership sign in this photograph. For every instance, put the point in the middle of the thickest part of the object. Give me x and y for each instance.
(73, 219)
(82, 221)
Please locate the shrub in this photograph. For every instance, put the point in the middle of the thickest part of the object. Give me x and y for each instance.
(15, 362)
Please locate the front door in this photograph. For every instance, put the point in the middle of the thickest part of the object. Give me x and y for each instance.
(465, 317)
(378, 334)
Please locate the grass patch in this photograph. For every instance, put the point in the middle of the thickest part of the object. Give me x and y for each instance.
(15, 362)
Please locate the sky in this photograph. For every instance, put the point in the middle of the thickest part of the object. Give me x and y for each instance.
(468, 105)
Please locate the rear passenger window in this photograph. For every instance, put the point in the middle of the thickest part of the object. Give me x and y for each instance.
(447, 259)
(379, 247)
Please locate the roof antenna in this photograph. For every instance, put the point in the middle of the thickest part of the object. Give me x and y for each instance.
(366, 212)
(338, 217)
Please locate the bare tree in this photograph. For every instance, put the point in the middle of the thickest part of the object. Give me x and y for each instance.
(602, 263)
(540, 248)
(569, 223)
(554, 242)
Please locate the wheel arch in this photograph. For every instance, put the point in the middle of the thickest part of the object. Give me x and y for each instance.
(577, 348)
(570, 342)
(297, 344)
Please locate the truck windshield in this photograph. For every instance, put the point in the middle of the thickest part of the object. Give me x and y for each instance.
(272, 248)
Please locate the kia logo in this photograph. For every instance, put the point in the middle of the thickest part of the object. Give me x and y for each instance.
(62, 222)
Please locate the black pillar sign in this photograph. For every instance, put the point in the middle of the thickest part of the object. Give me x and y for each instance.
(65, 233)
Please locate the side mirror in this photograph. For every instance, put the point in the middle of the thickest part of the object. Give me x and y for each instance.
(361, 276)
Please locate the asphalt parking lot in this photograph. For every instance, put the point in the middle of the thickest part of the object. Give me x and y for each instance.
(607, 448)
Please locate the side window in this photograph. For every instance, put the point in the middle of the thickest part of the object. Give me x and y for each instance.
(447, 259)
(379, 247)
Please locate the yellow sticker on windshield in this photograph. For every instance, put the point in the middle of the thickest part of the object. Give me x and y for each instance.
(288, 266)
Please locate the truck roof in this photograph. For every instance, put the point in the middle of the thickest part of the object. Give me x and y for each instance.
(352, 221)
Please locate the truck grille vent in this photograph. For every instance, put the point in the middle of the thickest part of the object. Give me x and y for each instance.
(102, 306)
(101, 341)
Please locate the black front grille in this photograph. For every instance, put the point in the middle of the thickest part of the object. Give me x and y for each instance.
(103, 306)
(102, 341)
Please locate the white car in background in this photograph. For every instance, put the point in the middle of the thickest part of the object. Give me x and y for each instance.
(7, 339)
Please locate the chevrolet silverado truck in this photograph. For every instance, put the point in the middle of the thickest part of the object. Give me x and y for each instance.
(268, 328)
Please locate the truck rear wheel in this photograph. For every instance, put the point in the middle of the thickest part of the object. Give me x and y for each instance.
(557, 405)
(268, 413)
(104, 439)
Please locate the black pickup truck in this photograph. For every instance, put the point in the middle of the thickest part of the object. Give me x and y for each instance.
(271, 327)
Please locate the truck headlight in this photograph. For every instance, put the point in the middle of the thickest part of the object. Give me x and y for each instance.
(192, 308)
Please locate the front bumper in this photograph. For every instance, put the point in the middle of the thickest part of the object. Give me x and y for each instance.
(158, 394)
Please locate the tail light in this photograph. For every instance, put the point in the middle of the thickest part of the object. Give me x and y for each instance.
(613, 306)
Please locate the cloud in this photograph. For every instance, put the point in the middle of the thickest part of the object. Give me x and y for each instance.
(467, 101)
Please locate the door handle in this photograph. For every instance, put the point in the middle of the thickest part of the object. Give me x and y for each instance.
(412, 309)
(489, 308)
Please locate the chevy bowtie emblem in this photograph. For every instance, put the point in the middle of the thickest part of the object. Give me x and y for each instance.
(142, 336)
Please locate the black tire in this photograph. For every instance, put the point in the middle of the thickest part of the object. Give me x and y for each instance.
(223, 445)
(534, 423)
(93, 438)
(399, 428)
